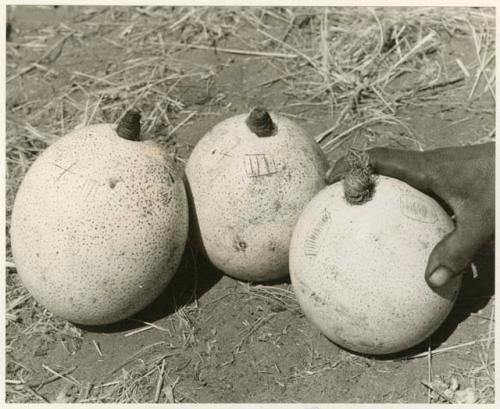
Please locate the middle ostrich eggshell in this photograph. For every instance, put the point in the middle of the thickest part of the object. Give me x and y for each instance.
(247, 193)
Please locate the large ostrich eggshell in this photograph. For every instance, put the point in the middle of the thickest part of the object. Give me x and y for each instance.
(248, 191)
(358, 270)
(99, 225)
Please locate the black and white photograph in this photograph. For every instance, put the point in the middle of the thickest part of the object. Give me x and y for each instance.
(243, 203)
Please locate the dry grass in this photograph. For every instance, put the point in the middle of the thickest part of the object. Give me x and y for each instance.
(280, 299)
(358, 67)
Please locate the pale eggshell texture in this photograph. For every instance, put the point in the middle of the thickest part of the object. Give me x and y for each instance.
(358, 270)
(99, 225)
(248, 191)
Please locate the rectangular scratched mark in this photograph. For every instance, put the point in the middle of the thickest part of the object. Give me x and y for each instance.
(259, 164)
(315, 240)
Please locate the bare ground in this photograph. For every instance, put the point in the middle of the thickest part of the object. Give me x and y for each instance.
(209, 338)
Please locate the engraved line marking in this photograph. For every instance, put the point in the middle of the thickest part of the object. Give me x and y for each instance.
(248, 164)
(65, 170)
(84, 189)
(251, 165)
(223, 156)
(214, 170)
(415, 209)
(226, 154)
(314, 242)
(89, 189)
(259, 164)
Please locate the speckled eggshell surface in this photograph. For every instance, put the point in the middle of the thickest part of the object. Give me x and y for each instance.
(248, 191)
(99, 225)
(358, 270)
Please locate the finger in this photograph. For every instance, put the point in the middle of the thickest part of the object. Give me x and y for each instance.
(411, 167)
(451, 256)
(337, 171)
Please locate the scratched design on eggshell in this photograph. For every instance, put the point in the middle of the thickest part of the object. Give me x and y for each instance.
(315, 240)
(415, 209)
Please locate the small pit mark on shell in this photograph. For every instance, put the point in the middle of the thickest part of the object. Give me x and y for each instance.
(113, 182)
(317, 298)
(240, 245)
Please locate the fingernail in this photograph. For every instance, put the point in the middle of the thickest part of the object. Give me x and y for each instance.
(440, 276)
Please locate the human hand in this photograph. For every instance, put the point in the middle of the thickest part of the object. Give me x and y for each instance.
(463, 178)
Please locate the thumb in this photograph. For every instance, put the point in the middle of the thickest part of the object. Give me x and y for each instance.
(449, 258)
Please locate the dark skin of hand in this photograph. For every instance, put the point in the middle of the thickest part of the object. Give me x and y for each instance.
(461, 177)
